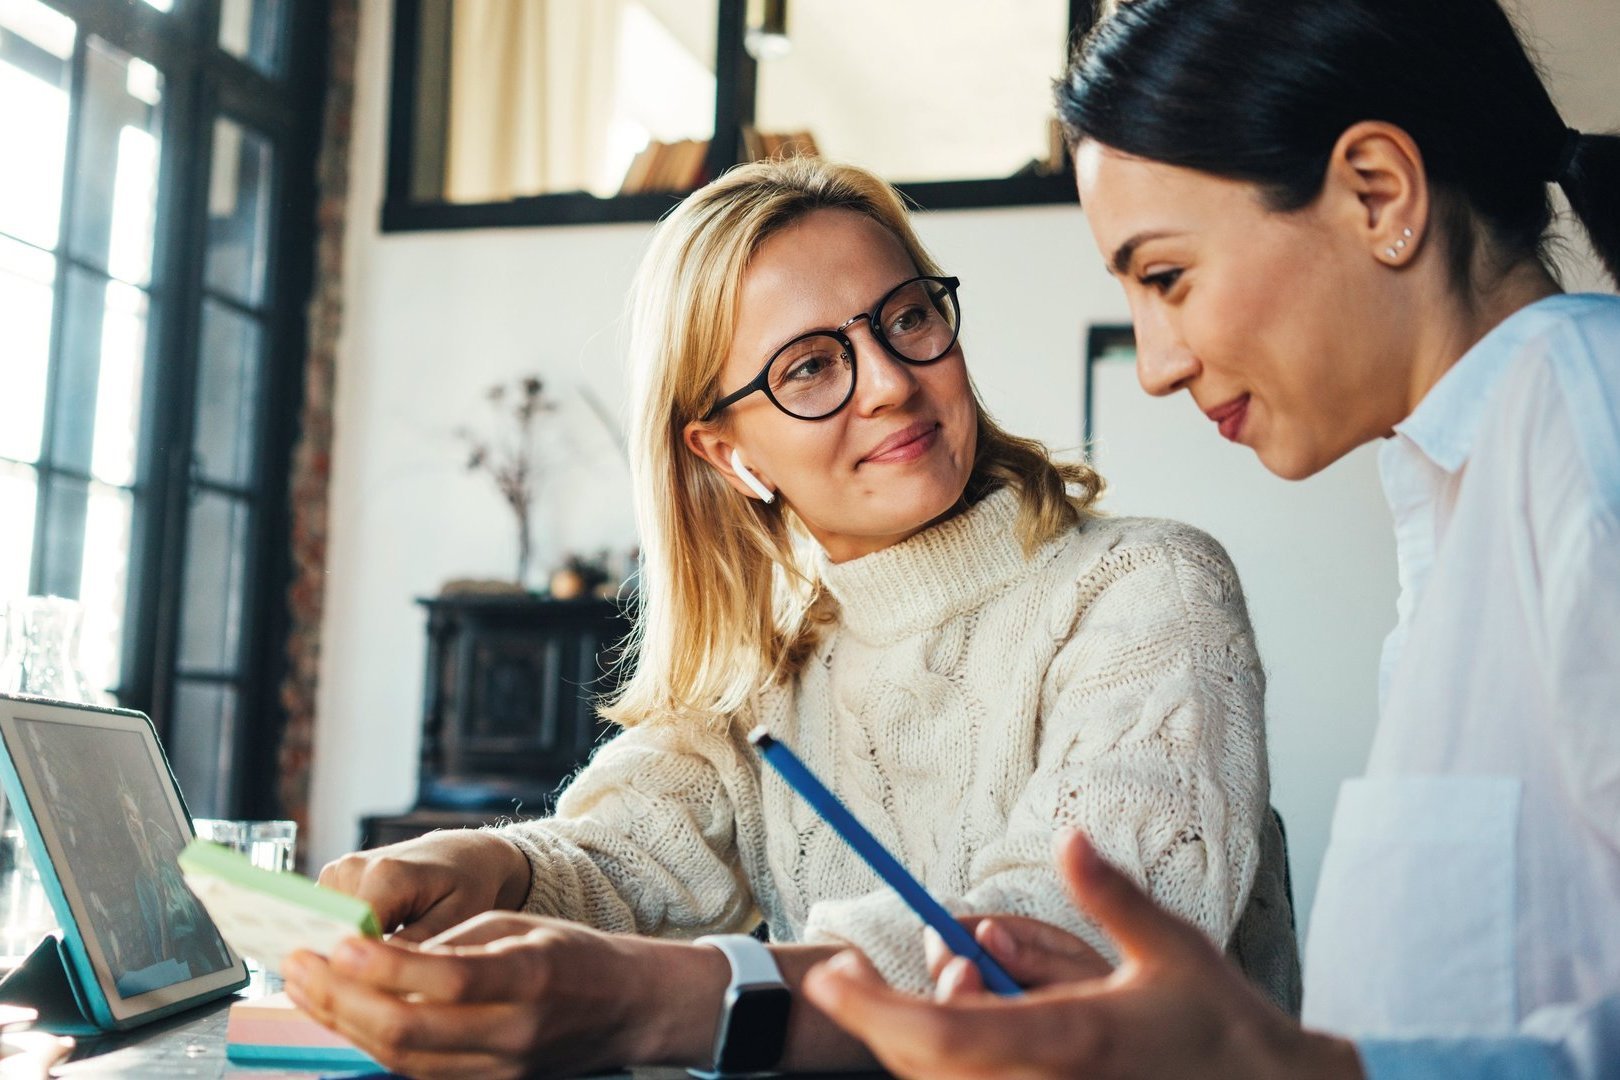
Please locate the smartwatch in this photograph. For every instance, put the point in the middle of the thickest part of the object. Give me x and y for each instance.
(754, 1016)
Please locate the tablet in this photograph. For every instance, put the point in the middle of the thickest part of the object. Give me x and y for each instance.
(105, 822)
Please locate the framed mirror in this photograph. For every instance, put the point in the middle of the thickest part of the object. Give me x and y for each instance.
(536, 112)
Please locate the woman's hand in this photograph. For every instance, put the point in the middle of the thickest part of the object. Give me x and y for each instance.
(434, 882)
(508, 995)
(1034, 953)
(1173, 1007)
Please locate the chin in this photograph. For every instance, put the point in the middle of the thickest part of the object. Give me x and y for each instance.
(913, 511)
(1298, 465)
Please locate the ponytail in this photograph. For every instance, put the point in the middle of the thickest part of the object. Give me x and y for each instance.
(1591, 181)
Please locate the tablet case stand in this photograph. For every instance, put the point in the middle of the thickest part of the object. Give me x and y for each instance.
(45, 981)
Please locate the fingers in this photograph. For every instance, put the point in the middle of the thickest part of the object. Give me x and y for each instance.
(1142, 930)
(958, 980)
(442, 916)
(978, 1036)
(420, 1039)
(1033, 952)
(433, 882)
(1037, 953)
(900, 1030)
(385, 884)
(452, 976)
(483, 929)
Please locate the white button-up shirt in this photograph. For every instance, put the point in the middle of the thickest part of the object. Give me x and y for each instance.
(1468, 917)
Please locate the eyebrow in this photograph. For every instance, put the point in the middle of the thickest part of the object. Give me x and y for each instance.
(807, 331)
(1127, 251)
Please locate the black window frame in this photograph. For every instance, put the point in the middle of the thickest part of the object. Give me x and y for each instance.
(202, 83)
(735, 73)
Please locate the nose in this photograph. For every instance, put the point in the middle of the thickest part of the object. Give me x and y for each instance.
(1164, 364)
(881, 381)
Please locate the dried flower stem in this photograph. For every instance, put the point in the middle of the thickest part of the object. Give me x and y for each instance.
(510, 460)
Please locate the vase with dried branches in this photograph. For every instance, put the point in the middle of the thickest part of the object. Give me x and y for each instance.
(509, 454)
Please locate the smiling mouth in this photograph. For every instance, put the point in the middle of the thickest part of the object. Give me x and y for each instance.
(907, 444)
(1229, 417)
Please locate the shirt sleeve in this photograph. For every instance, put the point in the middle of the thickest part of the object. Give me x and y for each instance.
(645, 838)
(1581, 599)
(1562, 1043)
(1152, 742)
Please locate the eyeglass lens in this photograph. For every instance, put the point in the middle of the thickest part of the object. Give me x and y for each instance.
(812, 376)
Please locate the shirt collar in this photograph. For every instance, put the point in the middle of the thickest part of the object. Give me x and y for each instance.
(1446, 422)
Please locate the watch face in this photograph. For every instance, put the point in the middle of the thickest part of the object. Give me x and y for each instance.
(754, 1029)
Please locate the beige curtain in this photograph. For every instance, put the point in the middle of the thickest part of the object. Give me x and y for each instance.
(531, 96)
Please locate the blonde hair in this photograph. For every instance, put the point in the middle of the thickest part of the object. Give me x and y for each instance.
(728, 598)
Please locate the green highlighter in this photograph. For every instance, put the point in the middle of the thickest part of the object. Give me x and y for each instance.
(266, 915)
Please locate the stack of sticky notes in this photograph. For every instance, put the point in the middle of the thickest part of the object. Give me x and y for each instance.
(272, 1031)
(265, 915)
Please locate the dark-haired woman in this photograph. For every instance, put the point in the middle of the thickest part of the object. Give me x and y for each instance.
(1329, 218)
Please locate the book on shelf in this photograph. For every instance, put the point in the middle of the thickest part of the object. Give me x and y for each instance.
(765, 145)
(635, 177)
(661, 166)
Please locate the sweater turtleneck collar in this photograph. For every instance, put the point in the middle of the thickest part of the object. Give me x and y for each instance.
(941, 572)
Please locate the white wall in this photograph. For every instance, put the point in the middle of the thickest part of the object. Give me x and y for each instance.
(432, 319)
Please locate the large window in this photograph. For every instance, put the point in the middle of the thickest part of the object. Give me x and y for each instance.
(156, 209)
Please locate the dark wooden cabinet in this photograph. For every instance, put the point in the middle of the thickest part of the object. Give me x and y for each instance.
(509, 707)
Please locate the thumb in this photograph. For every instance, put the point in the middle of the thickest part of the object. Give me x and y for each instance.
(1143, 931)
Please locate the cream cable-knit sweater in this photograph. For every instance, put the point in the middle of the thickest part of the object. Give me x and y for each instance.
(967, 702)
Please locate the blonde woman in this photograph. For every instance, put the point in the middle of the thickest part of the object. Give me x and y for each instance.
(841, 544)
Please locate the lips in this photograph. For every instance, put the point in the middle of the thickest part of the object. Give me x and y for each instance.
(907, 444)
(1230, 417)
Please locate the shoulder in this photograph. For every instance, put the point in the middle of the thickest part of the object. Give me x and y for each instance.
(1561, 403)
(1155, 568)
(1108, 548)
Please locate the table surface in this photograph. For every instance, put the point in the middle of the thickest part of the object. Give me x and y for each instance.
(191, 1046)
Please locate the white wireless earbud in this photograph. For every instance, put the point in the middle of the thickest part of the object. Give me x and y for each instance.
(750, 479)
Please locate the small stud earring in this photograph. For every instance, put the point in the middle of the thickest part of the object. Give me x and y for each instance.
(1392, 253)
(1407, 233)
(1400, 245)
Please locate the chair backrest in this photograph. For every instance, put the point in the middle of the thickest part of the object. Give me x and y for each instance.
(1287, 871)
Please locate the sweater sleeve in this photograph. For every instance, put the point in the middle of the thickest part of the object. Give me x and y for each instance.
(645, 838)
(1151, 740)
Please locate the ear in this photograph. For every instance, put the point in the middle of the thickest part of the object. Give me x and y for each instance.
(708, 442)
(1378, 187)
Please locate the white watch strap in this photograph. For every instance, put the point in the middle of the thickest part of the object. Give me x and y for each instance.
(751, 961)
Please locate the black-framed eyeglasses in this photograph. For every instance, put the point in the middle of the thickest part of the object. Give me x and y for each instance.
(813, 376)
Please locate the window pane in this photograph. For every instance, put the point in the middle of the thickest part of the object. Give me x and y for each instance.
(25, 329)
(115, 188)
(61, 554)
(957, 104)
(202, 731)
(211, 609)
(227, 394)
(40, 25)
(97, 394)
(104, 584)
(36, 44)
(17, 495)
(118, 389)
(238, 213)
(251, 30)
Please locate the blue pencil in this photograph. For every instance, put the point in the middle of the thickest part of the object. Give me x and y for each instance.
(824, 802)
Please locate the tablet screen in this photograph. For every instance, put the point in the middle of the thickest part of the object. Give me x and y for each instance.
(112, 823)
